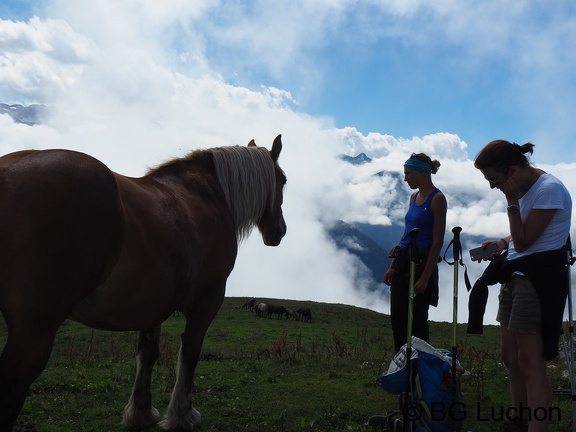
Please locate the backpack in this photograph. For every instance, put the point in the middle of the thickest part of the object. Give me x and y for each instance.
(434, 402)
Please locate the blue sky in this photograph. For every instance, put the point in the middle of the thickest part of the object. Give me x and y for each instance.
(485, 70)
(15, 10)
(137, 82)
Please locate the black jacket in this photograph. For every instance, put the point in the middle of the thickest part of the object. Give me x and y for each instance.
(549, 274)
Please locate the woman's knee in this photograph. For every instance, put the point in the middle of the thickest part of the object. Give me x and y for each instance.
(509, 358)
(528, 365)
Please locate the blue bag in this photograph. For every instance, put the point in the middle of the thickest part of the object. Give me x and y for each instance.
(436, 400)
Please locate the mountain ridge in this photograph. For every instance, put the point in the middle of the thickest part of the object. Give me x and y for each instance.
(30, 115)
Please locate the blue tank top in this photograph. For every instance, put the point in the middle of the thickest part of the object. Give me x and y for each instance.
(420, 216)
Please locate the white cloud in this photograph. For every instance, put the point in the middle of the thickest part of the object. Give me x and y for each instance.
(120, 91)
(41, 58)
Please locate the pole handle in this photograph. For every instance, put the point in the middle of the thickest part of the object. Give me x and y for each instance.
(457, 246)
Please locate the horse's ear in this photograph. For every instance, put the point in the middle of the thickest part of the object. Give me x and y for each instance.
(251, 143)
(276, 148)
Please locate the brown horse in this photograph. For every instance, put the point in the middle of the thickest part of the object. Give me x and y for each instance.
(121, 253)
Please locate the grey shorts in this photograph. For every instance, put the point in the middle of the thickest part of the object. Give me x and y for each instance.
(519, 306)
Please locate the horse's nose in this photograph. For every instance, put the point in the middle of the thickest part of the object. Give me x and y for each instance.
(277, 235)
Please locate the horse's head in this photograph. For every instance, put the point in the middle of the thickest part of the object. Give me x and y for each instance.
(272, 225)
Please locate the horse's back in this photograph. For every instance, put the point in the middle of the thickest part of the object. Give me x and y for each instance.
(57, 188)
(59, 223)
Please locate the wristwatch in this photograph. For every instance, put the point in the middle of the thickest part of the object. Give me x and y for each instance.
(513, 208)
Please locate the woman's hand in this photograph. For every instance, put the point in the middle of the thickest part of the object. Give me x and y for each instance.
(388, 276)
(511, 187)
(420, 286)
(501, 245)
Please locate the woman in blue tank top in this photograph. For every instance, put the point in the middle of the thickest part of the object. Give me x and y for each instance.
(426, 211)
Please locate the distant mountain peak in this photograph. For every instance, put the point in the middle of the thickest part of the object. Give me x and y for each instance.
(371, 255)
(360, 159)
(30, 115)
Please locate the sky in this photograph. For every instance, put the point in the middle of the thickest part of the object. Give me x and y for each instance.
(138, 82)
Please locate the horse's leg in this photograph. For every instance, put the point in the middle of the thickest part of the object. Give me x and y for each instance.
(181, 415)
(23, 359)
(139, 412)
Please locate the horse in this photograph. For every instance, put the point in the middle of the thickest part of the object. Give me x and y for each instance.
(121, 253)
(291, 314)
(261, 309)
(278, 310)
(249, 304)
(305, 314)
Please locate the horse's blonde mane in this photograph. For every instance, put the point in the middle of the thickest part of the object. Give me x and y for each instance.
(246, 175)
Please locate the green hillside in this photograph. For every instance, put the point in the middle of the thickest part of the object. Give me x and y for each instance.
(259, 374)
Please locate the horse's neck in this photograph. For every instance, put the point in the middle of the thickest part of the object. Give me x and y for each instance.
(186, 178)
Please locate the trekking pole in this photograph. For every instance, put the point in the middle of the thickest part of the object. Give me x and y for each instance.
(570, 261)
(457, 248)
(457, 253)
(571, 360)
(413, 256)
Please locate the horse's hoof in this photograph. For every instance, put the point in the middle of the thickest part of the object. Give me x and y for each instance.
(138, 421)
(196, 417)
(188, 424)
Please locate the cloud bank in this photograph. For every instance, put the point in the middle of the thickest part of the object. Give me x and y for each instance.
(139, 82)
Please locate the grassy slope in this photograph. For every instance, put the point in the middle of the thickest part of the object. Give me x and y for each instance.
(264, 375)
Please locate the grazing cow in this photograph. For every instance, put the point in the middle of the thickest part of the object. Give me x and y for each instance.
(305, 314)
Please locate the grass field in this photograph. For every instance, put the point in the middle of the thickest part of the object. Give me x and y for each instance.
(265, 375)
